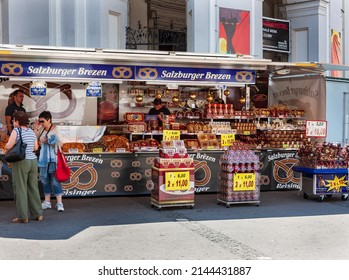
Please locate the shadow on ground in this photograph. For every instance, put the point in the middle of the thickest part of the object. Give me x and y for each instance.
(82, 213)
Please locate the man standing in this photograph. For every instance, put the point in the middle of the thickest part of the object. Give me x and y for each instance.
(159, 110)
(16, 105)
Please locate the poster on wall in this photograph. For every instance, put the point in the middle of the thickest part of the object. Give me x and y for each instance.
(108, 105)
(307, 93)
(234, 31)
(336, 51)
(276, 35)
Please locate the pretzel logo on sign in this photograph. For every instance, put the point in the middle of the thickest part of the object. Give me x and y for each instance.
(122, 72)
(14, 69)
(244, 76)
(4, 178)
(110, 188)
(207, 173)
(283, 172)
(77, 170)
(128, 188)
(147, 73)
(116, 163)
(41, 102)
(150, 160)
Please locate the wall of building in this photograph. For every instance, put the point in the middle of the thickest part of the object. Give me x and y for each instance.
(335, 114)
(65, 23)
(27, 22)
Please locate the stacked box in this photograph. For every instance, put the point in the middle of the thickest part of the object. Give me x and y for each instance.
(173, 176)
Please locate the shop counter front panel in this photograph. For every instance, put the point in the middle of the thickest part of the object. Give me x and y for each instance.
(94, 174)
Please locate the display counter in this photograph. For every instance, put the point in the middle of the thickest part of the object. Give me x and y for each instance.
(323, 182)
(276, 170)
(104, 174)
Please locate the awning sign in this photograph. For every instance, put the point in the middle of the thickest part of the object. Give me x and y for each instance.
(176, 74)
(97, 72)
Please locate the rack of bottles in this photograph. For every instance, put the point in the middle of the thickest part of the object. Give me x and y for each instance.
(239, 177)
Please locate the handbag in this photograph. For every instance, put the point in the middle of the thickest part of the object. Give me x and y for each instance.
(62, 169)
(37, 152)
(17, 153)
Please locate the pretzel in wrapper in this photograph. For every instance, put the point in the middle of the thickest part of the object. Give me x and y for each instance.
(80, 147)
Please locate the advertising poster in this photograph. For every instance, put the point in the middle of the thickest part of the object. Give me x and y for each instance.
(108, 105)
(276, 35)
(234, 31)
(276, 171)
(308, 93)
(336, 51)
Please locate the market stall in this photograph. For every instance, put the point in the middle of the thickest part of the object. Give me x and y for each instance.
(209, 96)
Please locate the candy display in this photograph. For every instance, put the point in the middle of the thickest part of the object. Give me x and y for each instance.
(323, 155)
(173, 176)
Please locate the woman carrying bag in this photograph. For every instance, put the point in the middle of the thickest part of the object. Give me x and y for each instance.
(25, 172)
(48, 160)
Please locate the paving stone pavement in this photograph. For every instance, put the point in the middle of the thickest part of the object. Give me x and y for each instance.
(284, 227)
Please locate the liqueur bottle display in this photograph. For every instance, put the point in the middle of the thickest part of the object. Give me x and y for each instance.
(239, 177)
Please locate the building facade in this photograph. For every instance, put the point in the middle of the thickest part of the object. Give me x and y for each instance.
(317, 32)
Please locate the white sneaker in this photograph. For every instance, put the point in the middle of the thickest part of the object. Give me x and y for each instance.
(46, 205)
(60, 207)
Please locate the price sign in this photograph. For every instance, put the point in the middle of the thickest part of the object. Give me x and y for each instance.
(97, 150)
(316, 128)
(177, 181)
(244, 182)
(171, 135)
(227, 139)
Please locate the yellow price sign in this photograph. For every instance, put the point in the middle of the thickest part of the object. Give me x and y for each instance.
(171, 135)
(244, 182)
(177, 181)
(97, 150)
(227, 139)
(247, 132)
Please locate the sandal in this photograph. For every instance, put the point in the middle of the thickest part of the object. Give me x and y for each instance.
(21, 221)
(39, 218)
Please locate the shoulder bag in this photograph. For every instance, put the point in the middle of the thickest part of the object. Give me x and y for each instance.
(17, 153)
(37, 152)
(62, 169)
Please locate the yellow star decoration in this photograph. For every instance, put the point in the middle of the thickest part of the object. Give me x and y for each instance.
(336, 184)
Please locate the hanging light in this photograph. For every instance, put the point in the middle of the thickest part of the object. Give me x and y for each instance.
(192, 95)
(226, 92)
(242, 99)
(209, 97)
(139, 98)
